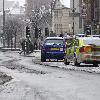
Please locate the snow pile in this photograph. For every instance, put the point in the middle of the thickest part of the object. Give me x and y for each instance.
(4, 78)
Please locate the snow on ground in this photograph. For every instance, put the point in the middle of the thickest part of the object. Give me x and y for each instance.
(3, 77)
(55, 84)
(86, 68)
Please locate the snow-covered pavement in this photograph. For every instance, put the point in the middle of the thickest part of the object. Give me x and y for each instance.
(39, 82)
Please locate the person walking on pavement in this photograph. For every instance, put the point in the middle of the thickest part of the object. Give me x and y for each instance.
(23, 43)
(35, 46)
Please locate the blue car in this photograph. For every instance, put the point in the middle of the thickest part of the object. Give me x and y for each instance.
(53, 48)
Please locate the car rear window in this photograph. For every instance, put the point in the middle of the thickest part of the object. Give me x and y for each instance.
(92, 41)
(54, 41)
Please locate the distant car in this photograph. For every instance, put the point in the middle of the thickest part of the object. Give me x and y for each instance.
(93, 35)
(80, 35)
(53, 48)
(83, 50)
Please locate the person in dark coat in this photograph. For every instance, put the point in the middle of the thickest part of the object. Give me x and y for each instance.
(35, 46)
(23, 46)
(31, 48)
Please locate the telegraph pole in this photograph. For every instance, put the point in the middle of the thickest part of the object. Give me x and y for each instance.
(73, 16)
(51, 5)
(3, 24)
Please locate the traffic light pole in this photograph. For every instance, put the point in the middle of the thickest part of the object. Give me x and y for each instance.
(3, 24)
(84, 26)
(73, 16)
(99, 28)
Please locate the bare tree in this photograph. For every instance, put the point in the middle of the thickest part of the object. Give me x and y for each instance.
(13, 29)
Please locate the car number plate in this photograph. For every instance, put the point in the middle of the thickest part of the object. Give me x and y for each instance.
(61, 49)
(54, 48)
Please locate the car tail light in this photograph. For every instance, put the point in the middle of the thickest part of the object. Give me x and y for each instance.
(85, 49)
(81, 49)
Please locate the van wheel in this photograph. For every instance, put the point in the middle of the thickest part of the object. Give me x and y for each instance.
(65, 62)
(43, 59)
(76, 63)
(95, 64)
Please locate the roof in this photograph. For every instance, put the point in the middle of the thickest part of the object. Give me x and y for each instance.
(62, 3)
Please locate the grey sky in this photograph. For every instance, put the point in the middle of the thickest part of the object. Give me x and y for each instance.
(67, 2)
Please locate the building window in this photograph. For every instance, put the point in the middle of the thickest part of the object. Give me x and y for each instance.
(55, 28)
(61, 27)
(56, 13)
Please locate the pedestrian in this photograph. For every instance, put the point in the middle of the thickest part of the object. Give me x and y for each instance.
(31, 48)
(23, 46)
(35, 46)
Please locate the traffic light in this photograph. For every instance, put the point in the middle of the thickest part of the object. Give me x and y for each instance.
(27, 31)
(39, 32)
(36, 32)
(88, 30)
(46, 32)
(84, 10)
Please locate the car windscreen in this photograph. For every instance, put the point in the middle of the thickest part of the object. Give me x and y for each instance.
(92, 41)
(54, 41)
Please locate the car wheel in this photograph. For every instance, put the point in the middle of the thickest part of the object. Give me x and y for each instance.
(65, 62)
(43, 59)
(95, 64)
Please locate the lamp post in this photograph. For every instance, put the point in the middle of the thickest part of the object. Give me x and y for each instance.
(99, 28)
(3, 23)
(73, 16)
(84, 14)
(51, 14)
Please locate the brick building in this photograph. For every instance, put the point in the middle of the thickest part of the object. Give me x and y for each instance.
(61, 20)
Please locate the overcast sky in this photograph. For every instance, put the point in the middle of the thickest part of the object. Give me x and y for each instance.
(67, 2)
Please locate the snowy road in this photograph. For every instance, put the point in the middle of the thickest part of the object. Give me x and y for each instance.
(39, 82)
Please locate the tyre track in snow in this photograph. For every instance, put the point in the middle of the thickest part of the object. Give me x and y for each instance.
(12, 64)
(86, 68)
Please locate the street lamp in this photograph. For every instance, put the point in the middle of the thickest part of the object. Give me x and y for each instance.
(83, 14)
(69, 28)
(99, 28)
(73, 17)
(3, 23)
